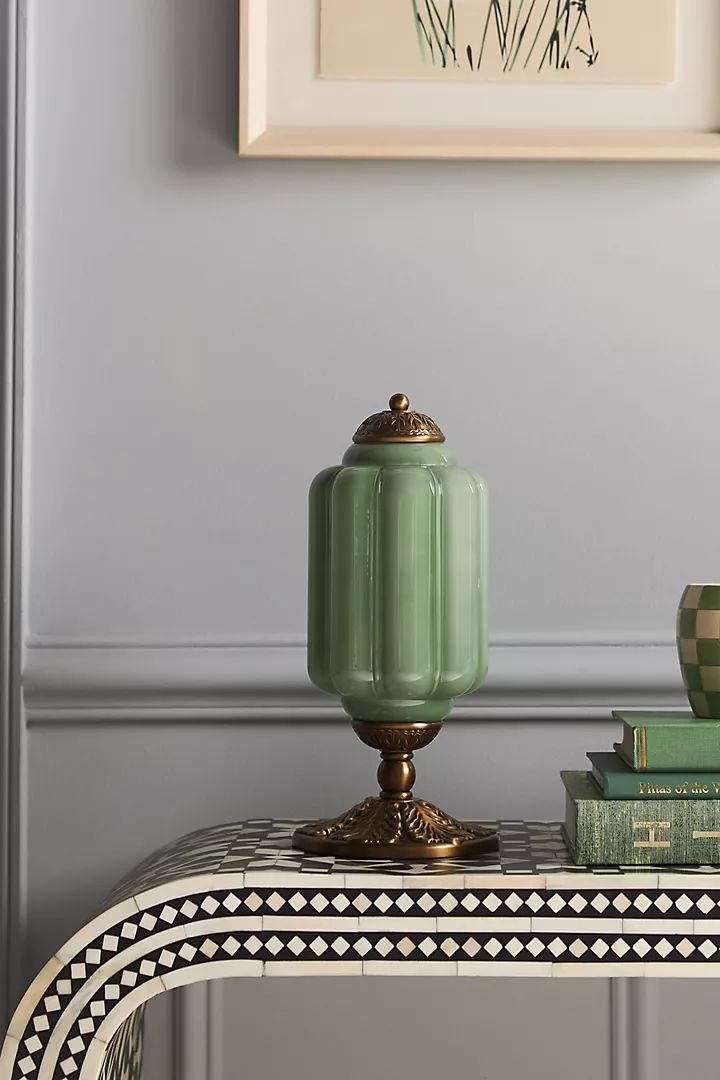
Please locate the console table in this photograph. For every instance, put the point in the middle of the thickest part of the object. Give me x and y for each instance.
(236, 900)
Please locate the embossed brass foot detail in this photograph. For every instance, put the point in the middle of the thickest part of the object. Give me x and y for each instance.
(394, 825)
(379, 828)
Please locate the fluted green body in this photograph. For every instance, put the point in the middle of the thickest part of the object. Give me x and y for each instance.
(397, 618)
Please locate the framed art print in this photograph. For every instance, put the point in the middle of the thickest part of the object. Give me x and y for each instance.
(494, 79)
(531, 41)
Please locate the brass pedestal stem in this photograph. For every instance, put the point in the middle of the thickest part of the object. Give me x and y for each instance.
(394, 825)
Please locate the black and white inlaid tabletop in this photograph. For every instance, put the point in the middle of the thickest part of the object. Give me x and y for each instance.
(237, 900)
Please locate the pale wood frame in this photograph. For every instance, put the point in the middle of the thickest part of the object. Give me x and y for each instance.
(258, 138)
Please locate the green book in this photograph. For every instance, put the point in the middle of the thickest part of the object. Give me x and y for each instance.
(617, 780)
(669, 742)
(638, 832)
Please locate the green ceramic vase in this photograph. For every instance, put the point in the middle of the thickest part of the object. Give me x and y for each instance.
(397, 573)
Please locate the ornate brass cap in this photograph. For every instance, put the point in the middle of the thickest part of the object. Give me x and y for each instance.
(398, 424)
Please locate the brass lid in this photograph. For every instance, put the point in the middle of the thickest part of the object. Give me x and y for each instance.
(398, 424)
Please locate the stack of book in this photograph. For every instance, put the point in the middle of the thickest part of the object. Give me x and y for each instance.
(655, 800)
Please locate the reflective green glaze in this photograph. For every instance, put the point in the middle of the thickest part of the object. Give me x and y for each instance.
(397, 622)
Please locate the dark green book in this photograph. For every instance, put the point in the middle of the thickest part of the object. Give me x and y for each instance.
(617, 780)
(638, 832)
(669, 742)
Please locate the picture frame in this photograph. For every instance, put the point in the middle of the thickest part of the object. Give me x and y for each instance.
(287, 110)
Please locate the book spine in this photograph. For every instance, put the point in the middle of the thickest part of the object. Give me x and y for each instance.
(676, 748)
(660, 785)
(651, 832)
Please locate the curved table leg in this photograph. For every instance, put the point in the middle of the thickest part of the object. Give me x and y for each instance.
(123, 1060)
(82, 1016)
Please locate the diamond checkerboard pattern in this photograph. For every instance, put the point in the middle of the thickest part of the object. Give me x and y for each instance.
(238, 900)
(266, 845)
(698, 638)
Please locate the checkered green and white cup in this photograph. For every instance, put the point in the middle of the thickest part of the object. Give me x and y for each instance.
(698, 641)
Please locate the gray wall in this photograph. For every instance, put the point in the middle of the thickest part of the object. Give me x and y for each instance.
(202, 335)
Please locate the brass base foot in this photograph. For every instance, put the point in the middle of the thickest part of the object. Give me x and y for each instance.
(395, 825)
(379, 828)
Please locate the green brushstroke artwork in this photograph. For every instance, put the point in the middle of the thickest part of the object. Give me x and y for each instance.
(532, 42)
(519, 34)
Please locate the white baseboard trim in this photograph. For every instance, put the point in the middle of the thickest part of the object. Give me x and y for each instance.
(103, 683)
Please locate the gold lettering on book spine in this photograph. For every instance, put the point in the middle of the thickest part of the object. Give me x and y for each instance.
(652, 828)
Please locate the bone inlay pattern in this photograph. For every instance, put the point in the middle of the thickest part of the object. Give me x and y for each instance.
(237, 900)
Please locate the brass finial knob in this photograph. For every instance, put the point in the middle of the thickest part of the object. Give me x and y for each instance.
(398, 425)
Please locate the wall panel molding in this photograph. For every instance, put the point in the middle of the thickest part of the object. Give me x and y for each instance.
(12, 855)
(633, 1029)
(102, 683)
(198, 1018)
(620, 1028)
